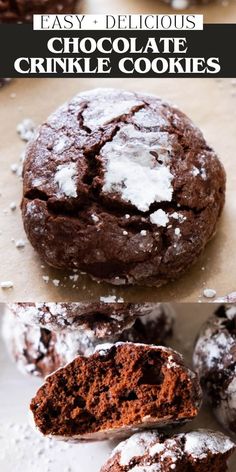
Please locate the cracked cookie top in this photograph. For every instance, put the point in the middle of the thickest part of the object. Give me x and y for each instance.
(152, 451)
(126, 149)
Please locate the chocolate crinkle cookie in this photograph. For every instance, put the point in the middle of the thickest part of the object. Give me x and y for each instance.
(128, 181)
(119, 389)
(100, 319)
(215, 361)
(23, 10)
(39, 351)
(199, 451)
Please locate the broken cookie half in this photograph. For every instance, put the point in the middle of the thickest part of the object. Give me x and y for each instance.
(119, 389)
(200, 450)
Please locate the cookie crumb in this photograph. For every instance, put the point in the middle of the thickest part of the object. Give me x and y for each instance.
(20, 244)
(7, 284)
(12, 206)
(209, 293)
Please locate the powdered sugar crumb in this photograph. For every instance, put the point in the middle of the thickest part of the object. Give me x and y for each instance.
(7, 284)
(199, 443)
(159, 218)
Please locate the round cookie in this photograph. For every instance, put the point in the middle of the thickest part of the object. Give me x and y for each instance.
(215, 361)
(200, 450)
(129, 180)
(39, 351)
(23, 10)
(102, 320)
(119, 389)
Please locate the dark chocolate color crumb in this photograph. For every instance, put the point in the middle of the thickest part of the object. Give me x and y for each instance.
(118, 389)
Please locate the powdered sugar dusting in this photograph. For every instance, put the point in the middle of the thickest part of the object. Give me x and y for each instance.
(146, 468)
(103, 111)
(131, 168)
(65, 179)
(152, 450)
(22, 449)
(199, 443)
(136, 446)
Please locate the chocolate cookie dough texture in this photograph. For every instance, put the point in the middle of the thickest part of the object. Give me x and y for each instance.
(119, 389)
(23, 10)
(200, 450)
(40, 351)
(122, 186)
(215, 361)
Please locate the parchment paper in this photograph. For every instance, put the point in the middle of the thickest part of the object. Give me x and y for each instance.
(90, 457)
(209, 102)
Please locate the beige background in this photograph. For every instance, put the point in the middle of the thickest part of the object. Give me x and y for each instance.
(218, 11)
(86, 457)
(210, 103)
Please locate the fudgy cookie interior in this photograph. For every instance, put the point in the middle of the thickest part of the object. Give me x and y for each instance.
(126, 385)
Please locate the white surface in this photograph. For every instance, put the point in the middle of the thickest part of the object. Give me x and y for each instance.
(27, 454)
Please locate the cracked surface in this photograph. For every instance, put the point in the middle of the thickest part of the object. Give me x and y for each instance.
(23, 10)
(39, 351)
(129, 159)
(100, 319)
(215, 361)
(195, 451)
(120, 388)
(4, 82)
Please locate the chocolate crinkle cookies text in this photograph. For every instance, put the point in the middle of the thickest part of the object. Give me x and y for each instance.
(122, 186)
